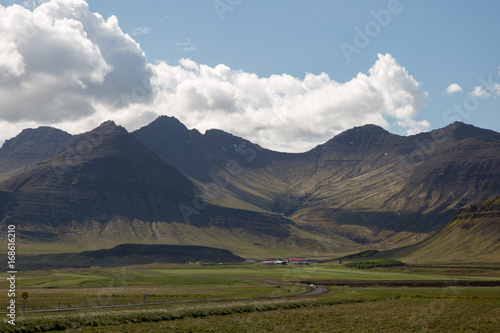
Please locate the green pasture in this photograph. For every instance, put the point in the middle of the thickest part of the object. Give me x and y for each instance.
(331, 272)
(184, 295)
(70, 288)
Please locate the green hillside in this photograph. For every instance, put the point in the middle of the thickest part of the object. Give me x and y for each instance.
(92, 235)
(473, 235)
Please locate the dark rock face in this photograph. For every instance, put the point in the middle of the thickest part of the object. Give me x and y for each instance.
(31, 147)
(196, 154)
(104, 173)
(256, 223)
(107, 173)
(363, 176)
(174, 143)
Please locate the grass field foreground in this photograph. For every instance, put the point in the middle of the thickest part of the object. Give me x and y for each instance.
(361, 308)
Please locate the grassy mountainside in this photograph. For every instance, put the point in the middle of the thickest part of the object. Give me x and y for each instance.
(107, 189)
(365, 184)
(367, 177)
(473, 235)
(93, 235)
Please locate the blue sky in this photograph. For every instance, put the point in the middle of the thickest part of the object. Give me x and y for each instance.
(434, 43)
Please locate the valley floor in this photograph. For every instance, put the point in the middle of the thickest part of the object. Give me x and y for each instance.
(241, 298)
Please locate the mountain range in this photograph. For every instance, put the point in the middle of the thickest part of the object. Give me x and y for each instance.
(166, 184)
(365, 184)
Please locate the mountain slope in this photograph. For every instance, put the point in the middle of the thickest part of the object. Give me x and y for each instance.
(107, 188)
(365, 183)
(473, 235)
(202, 157)
(104, 173)
(31, 147)
(370, 178)
(198, 154)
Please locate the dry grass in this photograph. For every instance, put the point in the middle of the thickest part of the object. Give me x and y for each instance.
(397, 315)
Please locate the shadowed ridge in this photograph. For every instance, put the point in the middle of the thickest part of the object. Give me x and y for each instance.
(30, 147)
(461, 131)
(108, 175)
(359, 132)
(182, 148)
(196, 154)
(105, 172)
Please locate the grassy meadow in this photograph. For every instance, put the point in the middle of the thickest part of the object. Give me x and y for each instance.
(225, 298)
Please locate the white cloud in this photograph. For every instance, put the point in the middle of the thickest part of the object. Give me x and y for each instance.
(11, 61)
(453, 88)
(141, 31)
(479, 91)
(287, 113)
(186, 46)
(496, 87)
(64, 66)
(58, 60)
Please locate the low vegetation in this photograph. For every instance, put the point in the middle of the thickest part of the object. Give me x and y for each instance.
(96, 318)
(224, 298)
(367, 264)
(364, 254)
(378, 309)
(472, 236)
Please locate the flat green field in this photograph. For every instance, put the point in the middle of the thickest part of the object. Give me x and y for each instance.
(226, 298)
(337, 272)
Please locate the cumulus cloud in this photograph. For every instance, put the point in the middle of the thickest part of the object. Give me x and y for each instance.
(287, 113)
(453, 88)
(59, 59)
(479, 91)
(64, 66)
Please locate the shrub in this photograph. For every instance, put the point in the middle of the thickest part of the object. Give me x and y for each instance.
(367, 264)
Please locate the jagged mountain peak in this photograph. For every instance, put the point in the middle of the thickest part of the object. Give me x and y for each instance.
(35, 135)
(363, 131)
(361, 137)
(460, 131)
(104, 172)
(108, 127)
(167, 122)
(223, 137)
(30, 147)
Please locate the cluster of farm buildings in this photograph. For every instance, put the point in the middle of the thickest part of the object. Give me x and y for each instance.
(295, 261)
